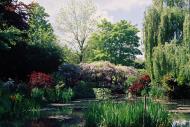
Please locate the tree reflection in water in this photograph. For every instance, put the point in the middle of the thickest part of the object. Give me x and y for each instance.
(43, 123)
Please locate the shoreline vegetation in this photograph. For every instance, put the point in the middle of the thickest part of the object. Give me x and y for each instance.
(50, 78)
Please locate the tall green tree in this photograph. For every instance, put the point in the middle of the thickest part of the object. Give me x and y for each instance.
(117, 43)
(27, 44)
(166, 29)
(186, 30)
(44, 53)
(40, 30)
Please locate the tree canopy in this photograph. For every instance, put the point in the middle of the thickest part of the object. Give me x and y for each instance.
(166, 39)
(27, 42)
(114, 42)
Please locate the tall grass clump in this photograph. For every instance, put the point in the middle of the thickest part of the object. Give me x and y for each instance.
(111, 114)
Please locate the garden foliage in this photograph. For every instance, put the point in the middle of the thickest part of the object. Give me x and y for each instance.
(59, 95)
(117, 43)
(40, 80)
(105, 74)
(27, 42)
(83, 90)
(141, 83)
(70, 73)
(14, 102)
(96, 74)
(166, 39)
(112, 114)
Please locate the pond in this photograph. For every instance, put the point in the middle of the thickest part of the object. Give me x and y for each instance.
(71, 115)
(180, 110)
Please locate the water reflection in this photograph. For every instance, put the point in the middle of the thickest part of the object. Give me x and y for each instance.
(32, 123)
(183, 123)
(71, 115)
(180, 110)
(47, 117)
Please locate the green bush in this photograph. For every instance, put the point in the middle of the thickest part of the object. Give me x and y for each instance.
(130, 80)
(22, 105)
(102, 93)
(157, 92)
(37, 94)
(5, 103)
(30, 48)
(64, 95)
(111, 114)
(59, 95)
(31, 105)
(15, 104)
(83, 91)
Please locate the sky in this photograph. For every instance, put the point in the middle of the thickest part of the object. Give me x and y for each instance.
(114, 10)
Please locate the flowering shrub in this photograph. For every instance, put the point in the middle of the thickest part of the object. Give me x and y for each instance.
(99, 74)
(70, 74)
(139, 85)
(105, 73)
(40, 80)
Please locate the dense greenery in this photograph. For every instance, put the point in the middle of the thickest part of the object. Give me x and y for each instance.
(36, 70)
(117, 43)
(166, 39)
(15, 102)
(28, 44)
(83, 90)
(112, 114)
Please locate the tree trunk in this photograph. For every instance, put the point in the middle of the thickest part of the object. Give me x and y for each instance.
(81, 47)
(80, 57)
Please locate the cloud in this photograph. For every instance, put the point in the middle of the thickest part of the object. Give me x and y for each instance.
(114, 10)
(105, 14)
(105, 7)
(124, 5)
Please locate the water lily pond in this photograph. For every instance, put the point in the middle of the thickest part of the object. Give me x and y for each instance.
(71, 115)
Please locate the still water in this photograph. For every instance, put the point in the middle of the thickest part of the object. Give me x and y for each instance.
(71, 115)
(180, 110)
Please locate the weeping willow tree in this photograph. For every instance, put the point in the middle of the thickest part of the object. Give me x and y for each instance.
(186, 31)
(167, 40)
(152, 19)
(171, 25)
(171, 59)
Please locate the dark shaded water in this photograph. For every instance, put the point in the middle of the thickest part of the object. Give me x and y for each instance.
(71, 115)
(54, 115)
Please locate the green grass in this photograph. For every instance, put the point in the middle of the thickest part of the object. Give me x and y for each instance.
(111, 114)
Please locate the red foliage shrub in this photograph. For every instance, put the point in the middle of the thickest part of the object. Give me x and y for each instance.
(39, 79)
(139, 85)
(145, 79)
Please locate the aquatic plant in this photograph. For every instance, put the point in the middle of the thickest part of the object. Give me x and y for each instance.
(112, 114)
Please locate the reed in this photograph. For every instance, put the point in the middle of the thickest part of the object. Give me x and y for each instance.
(111, 114)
